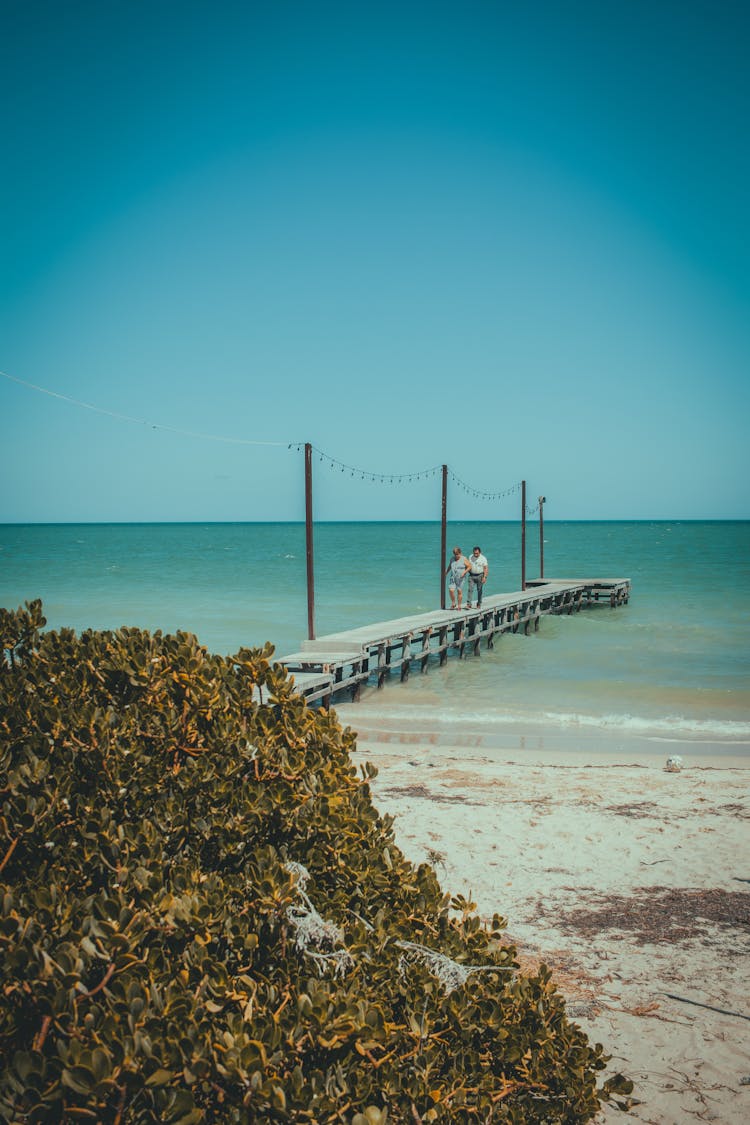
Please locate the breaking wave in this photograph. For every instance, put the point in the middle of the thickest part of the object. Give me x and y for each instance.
(668, 728)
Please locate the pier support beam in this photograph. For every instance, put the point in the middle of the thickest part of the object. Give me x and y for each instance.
(405, 657)
(382, 665)
(425, 649)
(443, 644)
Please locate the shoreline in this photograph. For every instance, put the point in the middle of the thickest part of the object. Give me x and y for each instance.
(542, 739)
(631, 882)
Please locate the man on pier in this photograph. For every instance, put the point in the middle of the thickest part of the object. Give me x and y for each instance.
(478, 570)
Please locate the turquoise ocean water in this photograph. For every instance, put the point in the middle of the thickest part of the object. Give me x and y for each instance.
(673, 664)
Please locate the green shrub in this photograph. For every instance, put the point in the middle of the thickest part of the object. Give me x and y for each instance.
(204, 919)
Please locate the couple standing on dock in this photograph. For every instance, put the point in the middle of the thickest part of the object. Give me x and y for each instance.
(476, 567)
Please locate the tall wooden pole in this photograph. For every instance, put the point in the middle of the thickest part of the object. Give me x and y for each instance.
(542, 502)
(443, 536)
(523, 534)
(309, 543)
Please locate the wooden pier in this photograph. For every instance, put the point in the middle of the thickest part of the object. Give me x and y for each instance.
(345, 661)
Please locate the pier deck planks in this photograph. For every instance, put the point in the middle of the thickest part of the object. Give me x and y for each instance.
(346, 660)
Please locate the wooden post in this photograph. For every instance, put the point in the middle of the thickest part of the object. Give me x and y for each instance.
(382, 665)
(443, 536)
(309, 543)
(405, 657)
(461, 637)
(425, 648)
(523, 534)
(542, 502)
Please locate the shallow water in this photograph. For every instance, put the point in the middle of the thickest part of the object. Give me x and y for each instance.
(673, 663)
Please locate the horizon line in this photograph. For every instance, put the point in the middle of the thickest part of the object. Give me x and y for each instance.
(301, 522)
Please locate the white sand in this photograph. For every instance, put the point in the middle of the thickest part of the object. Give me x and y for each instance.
(538, 834)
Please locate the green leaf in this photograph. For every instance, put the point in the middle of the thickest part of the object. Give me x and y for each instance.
(79, 1078)
(160, 1077)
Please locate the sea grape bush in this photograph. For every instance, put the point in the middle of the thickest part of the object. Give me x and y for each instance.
(170, 821)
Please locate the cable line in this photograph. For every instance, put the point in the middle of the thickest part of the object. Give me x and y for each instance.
(138, 421)
(332, 462)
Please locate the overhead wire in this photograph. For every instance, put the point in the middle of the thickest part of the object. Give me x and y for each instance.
(333, 462)
(138, 421)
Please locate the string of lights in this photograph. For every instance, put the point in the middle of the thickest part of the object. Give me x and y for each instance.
(365, 474)
(541, 501)
(481, 494)
(336, 465)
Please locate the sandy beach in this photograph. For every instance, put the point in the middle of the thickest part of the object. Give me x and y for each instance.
(631, 882)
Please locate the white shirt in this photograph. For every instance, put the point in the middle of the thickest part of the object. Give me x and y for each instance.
(478, 563)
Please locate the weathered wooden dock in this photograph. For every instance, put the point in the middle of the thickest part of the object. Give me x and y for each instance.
(345, 661)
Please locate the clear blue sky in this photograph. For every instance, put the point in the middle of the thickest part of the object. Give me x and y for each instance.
(510, 237)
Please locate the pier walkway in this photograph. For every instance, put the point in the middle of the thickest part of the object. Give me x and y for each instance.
(345, 661)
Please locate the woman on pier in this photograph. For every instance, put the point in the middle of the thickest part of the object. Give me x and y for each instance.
(457, 568)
